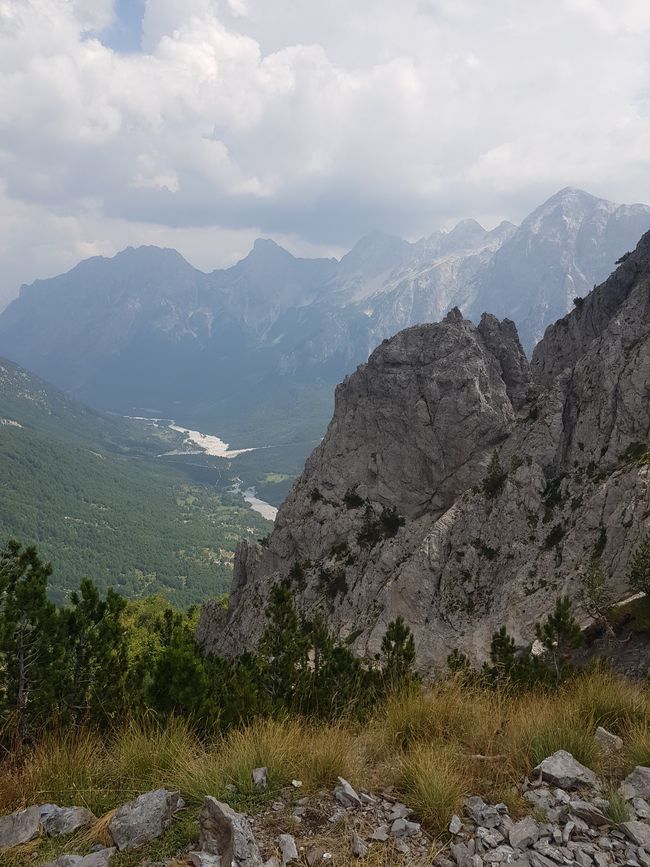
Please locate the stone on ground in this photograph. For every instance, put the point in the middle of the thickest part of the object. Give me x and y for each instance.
(637, 832)
(144, 819)
(636, 784)
(524, 833)
(227, 834)
(64, 820)
(288, 849)
(562, 770)
(20, 827)
(102, 858)
(346, 795)
(608, 742)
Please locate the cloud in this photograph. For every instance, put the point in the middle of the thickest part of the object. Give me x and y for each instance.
(312, 121)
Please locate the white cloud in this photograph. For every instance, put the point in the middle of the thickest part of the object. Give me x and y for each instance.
(315, 121)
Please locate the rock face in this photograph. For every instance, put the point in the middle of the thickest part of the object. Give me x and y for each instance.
(390, 516)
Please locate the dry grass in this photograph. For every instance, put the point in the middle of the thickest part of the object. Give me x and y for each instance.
(436, 745)
(434, 780)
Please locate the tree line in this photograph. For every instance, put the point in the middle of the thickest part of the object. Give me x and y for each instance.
(98, 661)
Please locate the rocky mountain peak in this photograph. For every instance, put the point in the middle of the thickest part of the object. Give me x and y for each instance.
(394, 515)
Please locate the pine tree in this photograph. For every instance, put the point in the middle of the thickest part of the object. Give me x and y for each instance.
(284, 650)
(639, 568)
(560, 635)
(96, 654)
(503, 655)
(31, 646)
(398, 652)
(596, 597)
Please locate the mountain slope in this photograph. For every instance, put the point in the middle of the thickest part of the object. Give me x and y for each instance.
(559, 252)
(85, 489)
(145, 333)
(391, 516)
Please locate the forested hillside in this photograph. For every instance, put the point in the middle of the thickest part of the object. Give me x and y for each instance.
(86, 488)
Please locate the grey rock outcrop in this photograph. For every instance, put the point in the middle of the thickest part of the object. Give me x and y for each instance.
(20, 827)
(390, 517)
(227, 835)
(636, 784)
(562, 770)
(64, 820)
(144, 819)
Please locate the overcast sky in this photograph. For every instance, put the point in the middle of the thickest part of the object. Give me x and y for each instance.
(201, 124)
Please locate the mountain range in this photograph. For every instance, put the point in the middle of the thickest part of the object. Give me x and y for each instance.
(253, 352)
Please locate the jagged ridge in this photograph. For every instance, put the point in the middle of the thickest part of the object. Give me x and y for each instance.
(413, 431)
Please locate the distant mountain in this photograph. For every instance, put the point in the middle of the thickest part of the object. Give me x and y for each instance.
(252, 352)
(87, 490)
(559, 253)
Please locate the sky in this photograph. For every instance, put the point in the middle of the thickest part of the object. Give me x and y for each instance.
(203, 124)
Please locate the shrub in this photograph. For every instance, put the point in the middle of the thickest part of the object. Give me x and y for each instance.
(352, 500)
(639, 567)
(495, 478)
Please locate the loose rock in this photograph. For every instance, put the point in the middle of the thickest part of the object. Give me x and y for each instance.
(346, 795)
(636, 784)
(357, 846)
(20, 827)
(64, 820)
(227, 834)
(608, 742)
(288, 849)
(101, 858)
(637, 832)
(562, 770)
(260, 778)
(144, 818)
(524, 833)
(589, 812)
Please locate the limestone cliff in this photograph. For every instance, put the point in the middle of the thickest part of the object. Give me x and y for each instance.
(390, 516)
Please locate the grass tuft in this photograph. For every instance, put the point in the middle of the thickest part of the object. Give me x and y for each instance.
(433, 781)
(618, 809)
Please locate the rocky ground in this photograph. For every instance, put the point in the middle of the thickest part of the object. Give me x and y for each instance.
(574, 820)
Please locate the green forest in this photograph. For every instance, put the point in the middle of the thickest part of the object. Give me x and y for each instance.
(90, 492)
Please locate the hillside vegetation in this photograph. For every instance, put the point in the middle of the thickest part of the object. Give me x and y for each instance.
(86, 488)
(435, 747)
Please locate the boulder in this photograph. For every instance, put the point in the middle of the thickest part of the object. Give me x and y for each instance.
(102, 858)
(20, 827)
(636, 784)
(524, 833)
(608, 742)
(144, 819)
(637, 832)
(562, 770)
(58, 821)
(227, 834)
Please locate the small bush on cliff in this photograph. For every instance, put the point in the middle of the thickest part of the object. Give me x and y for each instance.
(639, 568)
(494, 478)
